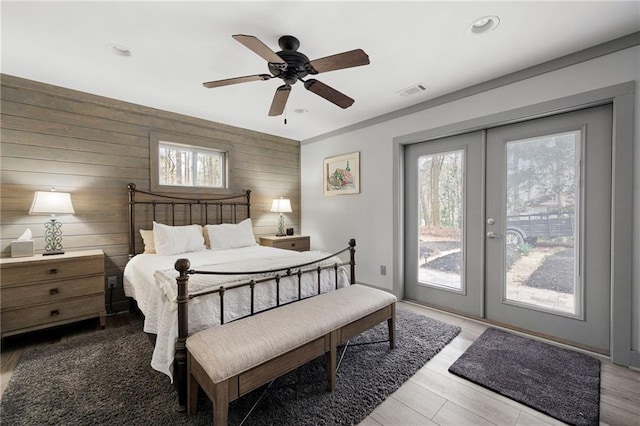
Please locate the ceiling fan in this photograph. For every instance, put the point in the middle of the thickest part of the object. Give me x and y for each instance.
(291, 66)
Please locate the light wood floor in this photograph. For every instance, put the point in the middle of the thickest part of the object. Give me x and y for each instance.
(432, 396)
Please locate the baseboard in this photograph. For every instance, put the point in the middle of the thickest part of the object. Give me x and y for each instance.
(635, 360)
(119, 306)
(388, 290)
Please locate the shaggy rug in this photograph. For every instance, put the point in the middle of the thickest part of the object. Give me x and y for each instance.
(105, 378)
(562, 383)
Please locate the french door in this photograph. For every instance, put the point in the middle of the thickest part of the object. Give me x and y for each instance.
(512, 224)
(444, 186)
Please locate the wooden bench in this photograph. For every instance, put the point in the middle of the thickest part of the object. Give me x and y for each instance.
(231, 360)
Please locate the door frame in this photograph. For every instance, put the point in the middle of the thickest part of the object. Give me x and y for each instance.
(622, 97)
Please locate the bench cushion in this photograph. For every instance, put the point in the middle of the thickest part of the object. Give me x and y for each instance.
(231, 349)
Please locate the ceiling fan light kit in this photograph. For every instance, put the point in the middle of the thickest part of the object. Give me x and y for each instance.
(292, 66)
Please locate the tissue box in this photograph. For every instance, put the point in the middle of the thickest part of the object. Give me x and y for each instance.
(21, 248)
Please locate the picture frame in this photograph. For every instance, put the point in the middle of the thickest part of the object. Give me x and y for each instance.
(341, 174)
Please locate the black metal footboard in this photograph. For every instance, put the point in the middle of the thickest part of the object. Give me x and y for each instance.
(273, 275)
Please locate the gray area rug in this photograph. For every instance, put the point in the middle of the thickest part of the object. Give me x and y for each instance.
(562, 383)
(105, 378)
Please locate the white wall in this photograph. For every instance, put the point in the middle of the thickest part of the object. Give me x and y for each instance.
(368, 217)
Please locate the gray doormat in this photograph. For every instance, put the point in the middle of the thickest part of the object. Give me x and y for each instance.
(105, 378)
(559, 382)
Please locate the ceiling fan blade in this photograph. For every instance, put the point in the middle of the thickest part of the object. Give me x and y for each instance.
(353, 58)
(279, 100)
(260, 48)
(236, 80)
(329, 93)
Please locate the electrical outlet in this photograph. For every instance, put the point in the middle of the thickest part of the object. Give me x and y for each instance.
(383, 270)
(112, 282)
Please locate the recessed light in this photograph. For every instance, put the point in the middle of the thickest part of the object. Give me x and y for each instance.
(300, 110)
(484, 25)
(119, 49)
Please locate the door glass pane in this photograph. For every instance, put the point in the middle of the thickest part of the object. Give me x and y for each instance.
(440, 215)
(542, 199)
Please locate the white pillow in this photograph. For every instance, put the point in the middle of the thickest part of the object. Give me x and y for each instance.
(147, 239)
(177, 239)
(228, 235)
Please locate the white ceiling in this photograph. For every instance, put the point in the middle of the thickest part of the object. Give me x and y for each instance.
(178, 45)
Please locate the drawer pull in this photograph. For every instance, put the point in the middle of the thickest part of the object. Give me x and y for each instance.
(293, 244)
(55, 312)
(53, 291)
(53, 270)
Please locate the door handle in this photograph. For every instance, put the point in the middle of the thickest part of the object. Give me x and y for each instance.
(492, 235)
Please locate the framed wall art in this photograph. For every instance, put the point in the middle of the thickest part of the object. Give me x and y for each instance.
(342, 174)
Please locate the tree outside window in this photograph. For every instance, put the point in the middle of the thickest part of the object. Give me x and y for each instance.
(181, 165)
(192, 163)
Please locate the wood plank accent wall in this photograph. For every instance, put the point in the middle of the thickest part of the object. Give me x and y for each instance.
(93, 146)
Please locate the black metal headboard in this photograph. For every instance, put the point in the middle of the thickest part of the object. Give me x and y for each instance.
(213, 210)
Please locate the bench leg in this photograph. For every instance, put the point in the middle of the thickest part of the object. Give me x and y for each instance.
(221, 403)
(331, 361)
(192, 389)
(391, 325)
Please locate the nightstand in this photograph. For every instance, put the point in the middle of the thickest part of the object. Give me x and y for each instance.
(288, 242)
(44, 291)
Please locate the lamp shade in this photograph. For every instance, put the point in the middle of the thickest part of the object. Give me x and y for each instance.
(281, 205)
(46, 203)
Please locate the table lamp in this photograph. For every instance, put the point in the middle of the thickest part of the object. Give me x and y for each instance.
(281, 205)
(52, 203)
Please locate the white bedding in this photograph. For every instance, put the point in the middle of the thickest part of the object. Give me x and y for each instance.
(150, 280)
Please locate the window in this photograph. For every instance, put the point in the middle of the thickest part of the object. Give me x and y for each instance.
(190, 163)
(183, 165)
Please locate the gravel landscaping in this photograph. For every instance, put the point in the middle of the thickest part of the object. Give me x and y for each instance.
(555, 272)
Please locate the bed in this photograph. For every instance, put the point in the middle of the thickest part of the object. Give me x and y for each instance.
(229, 275)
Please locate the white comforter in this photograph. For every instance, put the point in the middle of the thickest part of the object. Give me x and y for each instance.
(150, 280)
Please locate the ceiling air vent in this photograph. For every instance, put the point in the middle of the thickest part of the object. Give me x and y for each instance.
(412, 90)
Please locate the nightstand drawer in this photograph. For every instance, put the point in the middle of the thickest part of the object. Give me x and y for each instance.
(53, 270)
(299, 244)
(288, 242)
(35, 294)
(33, 316)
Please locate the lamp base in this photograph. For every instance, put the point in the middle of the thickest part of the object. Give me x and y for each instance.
(53, 238)
(281, 232)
